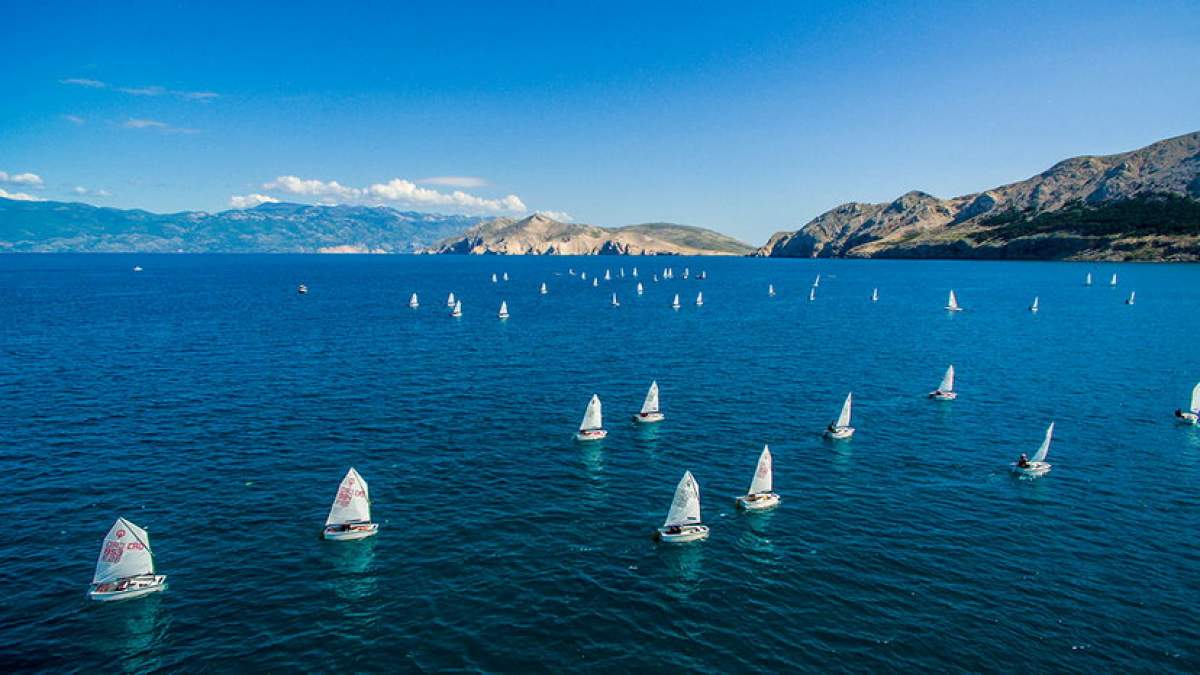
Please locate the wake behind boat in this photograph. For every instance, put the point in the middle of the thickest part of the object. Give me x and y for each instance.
(650, 412)
(761, 495)
(125, 569)
(1035, 466)
(841, 429)
(683, 520)
(592, 426)
(945, 390)
(350, 515)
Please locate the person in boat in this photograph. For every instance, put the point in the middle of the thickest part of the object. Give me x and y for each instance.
(674, 529)
(1179, 413)
(832, 428)
(1022, 461)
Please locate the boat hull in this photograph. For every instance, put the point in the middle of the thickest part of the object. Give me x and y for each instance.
(953, 309)
(943, 395)
(839, 434)
(687, 533)
(350, 535)
(762, 503)
(142, 586)
(1189, 417)
(592, 435)
(1033, 470)
(649, 418)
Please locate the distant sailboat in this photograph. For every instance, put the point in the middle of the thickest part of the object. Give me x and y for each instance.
(504, 276)
(655, 279)
(875, 295)
(1087, 281)
(770, 290)
(1192, 414)
(650, 411)
(592, 426)
(125, 569)
(700, 299)
(503, 313)
(945, 390)
(622, 272)
(685, 273)
(457, 311)
(450, 300)
(683, 520)
(1113, 280)
(571, 271)
(614, 301)
(841, 428)
(137, 268)
(583, 276)
(1129, 300)
(635, 273)
(608, 275)
(675, 303)
(812, 293)
(543, 290)
(952, 303)
(595, 282)
(350, 514)
(817, 281)
(302, 289)
(412, 302)
(640, 290)
(1034, 307)
(761, 495)
(494, 277)
(1036, 465)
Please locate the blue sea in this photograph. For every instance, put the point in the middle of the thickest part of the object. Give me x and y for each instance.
(207, 401)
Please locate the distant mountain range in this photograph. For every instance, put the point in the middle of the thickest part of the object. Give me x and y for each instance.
(1139, 205)
(541, 235)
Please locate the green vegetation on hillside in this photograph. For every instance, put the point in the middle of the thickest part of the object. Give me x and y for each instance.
(1167, 215)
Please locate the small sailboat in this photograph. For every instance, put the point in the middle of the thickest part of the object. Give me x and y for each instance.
(302, 289)
(413, 302)
(125, 569)
(650, 412)
(1192, 414)
(1036, 465)
(457, 311)
(683, 520)
(614, 301)
(543, 289)
(952, 303)
(1087, 281)
(504, 276)
(503, 313)
(640, 290)
(583, 276)
(655, 279)
(700, 299)
(571, 271)
(685, 273)
(675, 303)
(1113, 280)
(703, 275)
(635, 273)
(494, 280)
(945, 390)
(760, 496)
(592, 426)
(608, 275)
(841, 429)
(450, 300)
(770, 290)
(622, 272)
(137, 268)
(874, 295)
(1129, 300)
(812, 293)
(595, 282)
(817, 281)
(1034, 307)
(350, 515)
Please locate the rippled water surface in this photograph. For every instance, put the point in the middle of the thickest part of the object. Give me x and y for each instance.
(207, 401)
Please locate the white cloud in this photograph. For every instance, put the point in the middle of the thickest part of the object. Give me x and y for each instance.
(153, 90)
(74, 119)
(83, 191)
(148, 90)
(455, 181)
(313, 188)
(21, 178)
(251, 200)
(134, 123)
(397, 191)
(203, 96)
(560, 216)
(84, 82)
(19, 196)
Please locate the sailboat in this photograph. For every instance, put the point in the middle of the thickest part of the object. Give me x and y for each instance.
(592, 426)
(700, 299)
(640, 290)
(595, 282)
(1129, 300)
(841, 429)
(457, 311)
(1113, 280)
(685, 273)
(504, 276)
(125, 569)
(675, 303)
(650, 412)
(812, 293)
(683, 520)
(503, 313)
(770, 290)
(874, 295)
(1036, 465)
(760, 496)
(302, 289)
(583, 276)
(655, 278)
(494, 277)
(945, 390)
(952, 303)
(635, 273)
(1087, 281)
(817, 281)
(350, 515)
(608, 275)
(1034, 307)
(614, 301)
(137, 268)
(571, 271)
(450, 300)
(412, 302)
(1192, 414)
(543, 290)
(622, 272)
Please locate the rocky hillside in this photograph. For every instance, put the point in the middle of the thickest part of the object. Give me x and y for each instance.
(268, 228)
(1139, 205)
(541, 235)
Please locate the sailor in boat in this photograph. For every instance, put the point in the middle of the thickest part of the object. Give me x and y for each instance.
(1189, 416)
(1023, 461)
(348, 527)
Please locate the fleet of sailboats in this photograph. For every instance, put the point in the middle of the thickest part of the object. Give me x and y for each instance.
(125, 569)
(350, 514)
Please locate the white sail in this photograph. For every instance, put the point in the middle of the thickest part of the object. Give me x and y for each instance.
(608, 275)
(505, 277)
(622, 272)
(640, 290)
(771, 290)
(503, 308)
(124, 553)
(843, 419)
(352, 503)
(1195, 398)
(763, 474)
(1131, 296)
(675, 302)
(875, 295)
(412, 302)
(700, 298)
(635, 272)
(592, 418)
(1034, 306)
(1040, 455)
(817, 281)
(595, 282)
(685, 507)
(812, 293)
(947, 384)
(1113, 281)
(493, 277)
(614, 301)
(650, 405)
(583, 276)
(543, 289)
(450, 300)
(457, 308)
(1087, 281)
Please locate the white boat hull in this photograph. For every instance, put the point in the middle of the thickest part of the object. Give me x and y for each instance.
(591, 435)
(943, 395)
(840, 433)
(953, 309)
(649, 418)
(334, 534)
(686, 533)
(137, 587)
(760, 502)
(1033, 470)
(1188, 417)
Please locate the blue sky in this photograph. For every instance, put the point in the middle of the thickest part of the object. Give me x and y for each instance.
(745, 119)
